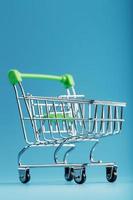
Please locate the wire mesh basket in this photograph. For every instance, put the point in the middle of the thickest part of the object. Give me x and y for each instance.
(54, 119)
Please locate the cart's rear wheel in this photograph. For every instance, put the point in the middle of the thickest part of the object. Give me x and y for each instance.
(24, 175)
(80, 175)
(111, 173)
(68, 173)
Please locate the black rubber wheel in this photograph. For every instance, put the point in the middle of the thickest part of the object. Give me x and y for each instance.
(111, 173)
(68, 174)
(25, 178)
(80, 179)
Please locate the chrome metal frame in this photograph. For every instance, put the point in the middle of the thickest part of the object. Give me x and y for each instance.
(74, 119)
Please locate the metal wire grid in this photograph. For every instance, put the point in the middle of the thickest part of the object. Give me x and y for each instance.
(54, 119)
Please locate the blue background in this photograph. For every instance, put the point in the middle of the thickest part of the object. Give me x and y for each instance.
(91, 39)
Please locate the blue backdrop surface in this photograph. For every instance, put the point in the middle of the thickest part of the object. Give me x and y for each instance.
(92, 40)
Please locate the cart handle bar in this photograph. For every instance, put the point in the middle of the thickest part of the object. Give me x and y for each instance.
(16, 77)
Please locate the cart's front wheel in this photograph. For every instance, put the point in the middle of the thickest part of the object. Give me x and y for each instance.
(80, 175)
(24, 175)
(68, 173)
(111, 173)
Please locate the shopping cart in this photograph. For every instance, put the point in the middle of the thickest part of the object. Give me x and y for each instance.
(61, 122)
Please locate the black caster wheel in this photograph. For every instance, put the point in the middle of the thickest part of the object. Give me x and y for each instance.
(68, 173)
(80, 175)
(24, 175)
(111, 173)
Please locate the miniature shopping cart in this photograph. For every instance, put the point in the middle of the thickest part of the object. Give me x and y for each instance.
(61, 122)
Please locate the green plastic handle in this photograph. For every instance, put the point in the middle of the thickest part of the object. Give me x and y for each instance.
(16, 77)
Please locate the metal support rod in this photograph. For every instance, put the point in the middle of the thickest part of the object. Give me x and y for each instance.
(57, 150)
(21, 153)
(67, 153)
(91, 154)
